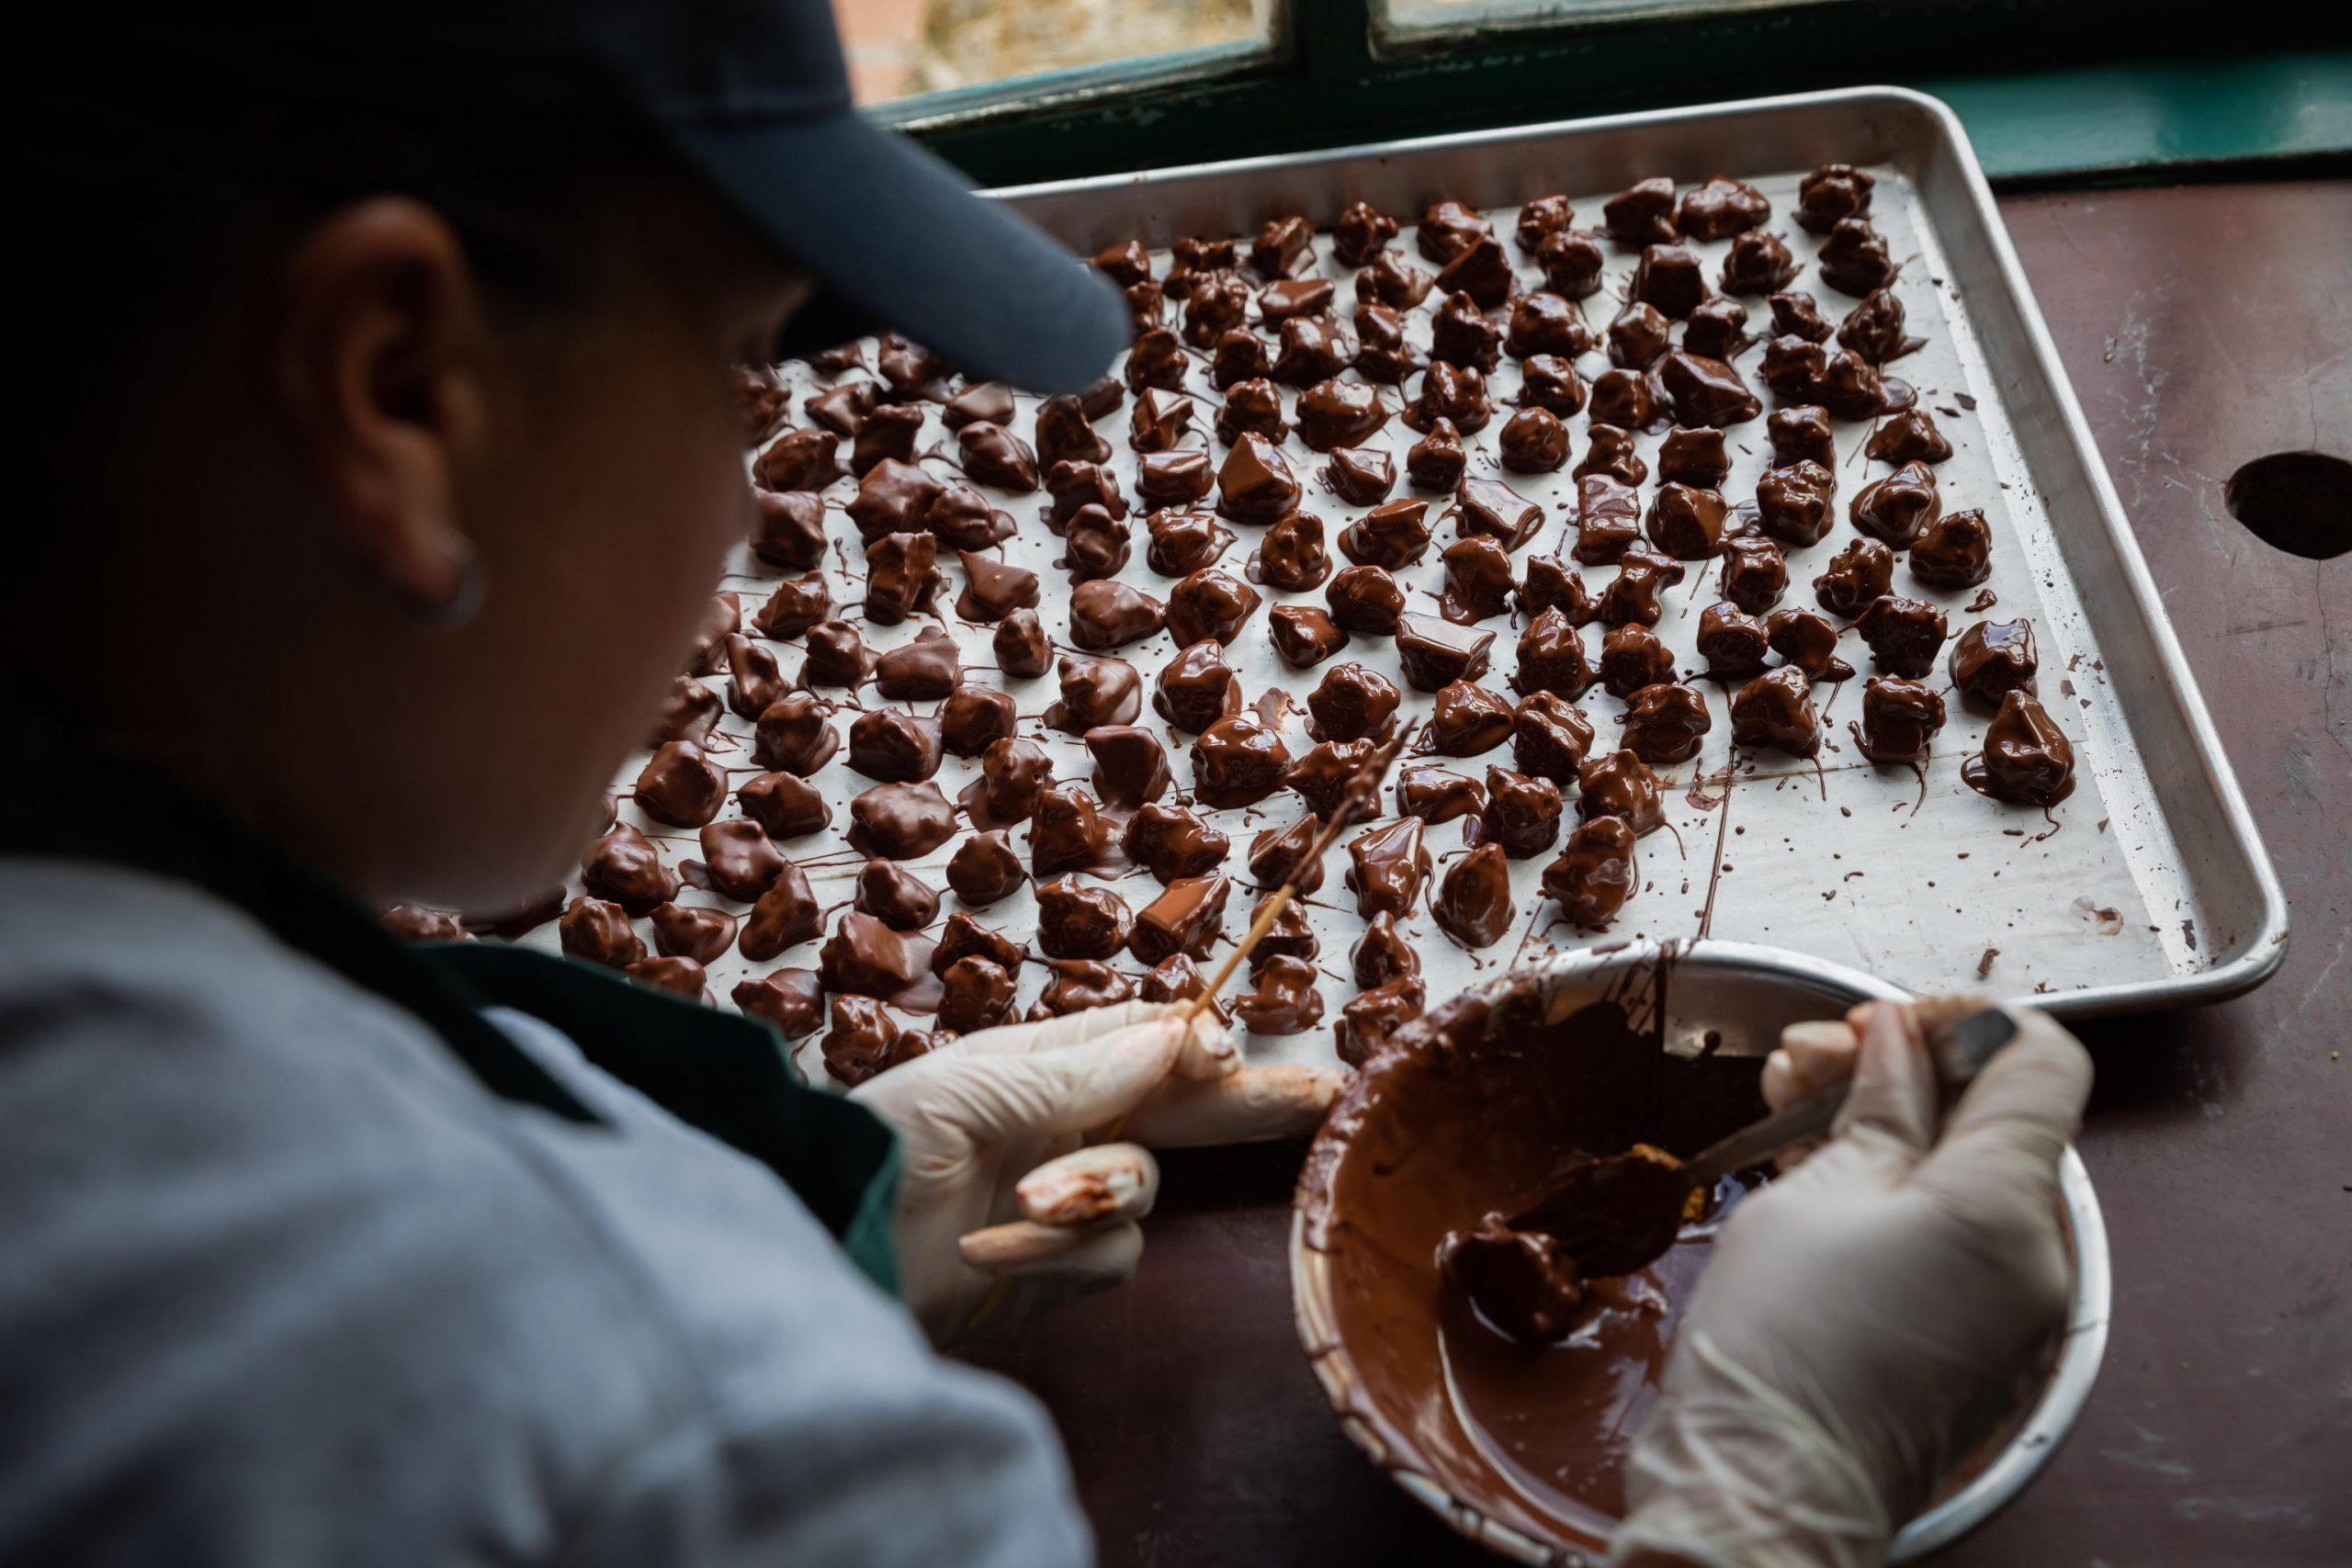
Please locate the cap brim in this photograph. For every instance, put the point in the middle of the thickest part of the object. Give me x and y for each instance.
(895, 239)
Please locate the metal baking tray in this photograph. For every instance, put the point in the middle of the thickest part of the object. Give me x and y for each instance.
(2153, 889)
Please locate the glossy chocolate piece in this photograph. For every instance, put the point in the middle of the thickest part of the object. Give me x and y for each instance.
(1460, 334)
(1385, 353)
(1360, 476)
(1572, 262)
(1288, 297)
(922, 670)
(896, 897)
(1435, 653)
(1758, 264)
(1521, 818)
(1796, 314)
(1550, 382)
(1238, 761)
(1631, 597)
(893, 746)
(1774, 712)
(837, 656)
(1095, 545)
(784, 916)
(1080, 922)
(1208, 605)
(888, 433)
(1482, 271)
(754, 679)
(792, 999)
(1608, 518)
(1620, 784)
(1278, 856)
(985, 868)
(1291, 556)
(1993, 658)
(1177, 978)
(1020, 645)
(793, 607)
(1066, 830)
(1365, 599)
(1289, 936)
(1438, 794)
(1731, 641)
(1215, 308)
(1796, 503)
(1852, 387)
(1874, 329)
(1666, 723)
(1382, 954)
(1551, 658)
(1064, 433)
(1904, 635)
(1792, 369)
(1073, 485)
(1801, 434)
(1707, 391)
(1808, 642)
(1626, 398)
(1898, 508)
(1910, 436)
(792, 736)
(1453, 393)
(1695, 457)
(1717, 329)
(893, 498)
(1105, 615)
(788, 528)
(900, 821)
(989, 400)
(1721, 208)
(1534, 441)
(1685, 520)
(1468, 719)
(1311, 349)
(1174, 478)
(842, 408)
(1473, 904)
(994, 456)
(1639, 337)
(1255, 484)
(963, 937)
(1595, 873)
(799, 459)
(1547, 582)
(1197, 687)
(1492, 508)
(1546, 323)
(2027, 758)
(1161, 418)
(900, 577)
(1754, 572)
(1303, 635)
(975, 718)
(1352, 703)
(690, 713)
(1550, 736)
(994, 589)
(1283, 1001)
(1437, 459)
(680, 785)
(1184, 921)
(1477, 580)
(1321, 777)
(787, 804)
(1854, 259)
(1173, 842)
(1368, 1021)
(1900, 719)
(1394, 535)
(1081, 985)
(739, 859)
(974, 993)
(864, 1042)
(1130, 764)
(703, 935)
(1361, 232)
(1861, 572)
(1632, 657)
(624, 867)
(1668, 277)
(1389, 279)
(1184, 542)
(1830, 193)
(1388, 865)
(1642, 214)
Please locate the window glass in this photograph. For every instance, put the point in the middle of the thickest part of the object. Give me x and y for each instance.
(899, 48)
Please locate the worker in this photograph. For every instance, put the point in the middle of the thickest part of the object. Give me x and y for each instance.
(383, 450)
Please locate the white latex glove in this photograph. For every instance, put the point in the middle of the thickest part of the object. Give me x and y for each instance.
(1869, 1315)
(996, 1126)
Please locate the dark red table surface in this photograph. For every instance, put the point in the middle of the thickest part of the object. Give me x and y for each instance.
(2202, 327)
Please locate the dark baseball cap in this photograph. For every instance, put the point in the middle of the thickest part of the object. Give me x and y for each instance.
(750, 96)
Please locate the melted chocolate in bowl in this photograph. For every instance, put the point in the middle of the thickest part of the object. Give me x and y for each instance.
(1478, 1107)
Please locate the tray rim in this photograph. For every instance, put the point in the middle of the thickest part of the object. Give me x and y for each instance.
(2264, 948)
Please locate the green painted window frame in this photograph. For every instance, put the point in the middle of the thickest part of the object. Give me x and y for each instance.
(2188, 96)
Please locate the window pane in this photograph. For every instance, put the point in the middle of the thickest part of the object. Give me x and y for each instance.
(900, 48)
(1422, 17)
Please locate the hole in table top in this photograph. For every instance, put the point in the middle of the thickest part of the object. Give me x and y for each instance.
(2295, 502)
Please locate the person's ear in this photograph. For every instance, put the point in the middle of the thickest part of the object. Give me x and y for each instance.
(377, 356)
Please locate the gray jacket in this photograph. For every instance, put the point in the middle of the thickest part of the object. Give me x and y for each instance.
(280, 1283)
